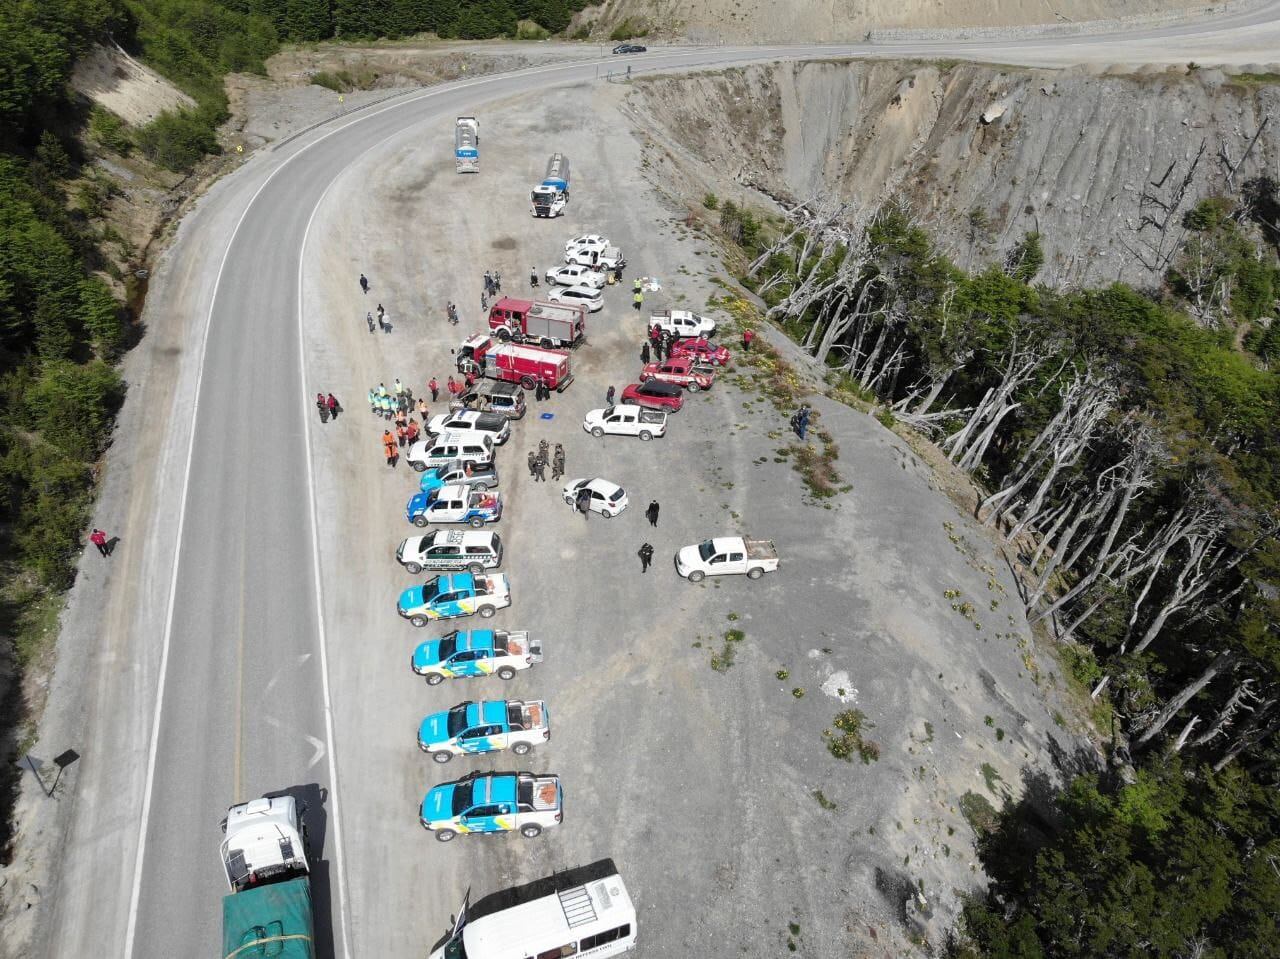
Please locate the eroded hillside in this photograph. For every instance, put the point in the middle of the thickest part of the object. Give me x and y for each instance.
(984, 155)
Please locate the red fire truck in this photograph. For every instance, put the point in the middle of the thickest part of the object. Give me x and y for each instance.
(546, 324)
(514, 362)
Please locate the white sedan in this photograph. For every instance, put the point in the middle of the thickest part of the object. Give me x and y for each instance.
(607, 499)
(586, 295)
(575, 276)
(588, 241)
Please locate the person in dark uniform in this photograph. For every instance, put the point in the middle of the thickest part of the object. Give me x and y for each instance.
(646, 557)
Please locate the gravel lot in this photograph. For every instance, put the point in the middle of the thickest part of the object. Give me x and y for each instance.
(699, 783)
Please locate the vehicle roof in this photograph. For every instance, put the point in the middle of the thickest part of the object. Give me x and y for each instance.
(490, 711)
(659, 387)
(724, 543)
(542, 924)
(452, 489)
(511, 303)
(475, 639)
(462, 436)
(600, 484)
(588, 291)
(456, 581)
(460, 537)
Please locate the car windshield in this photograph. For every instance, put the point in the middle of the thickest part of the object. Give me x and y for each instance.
(617, 495)
(448, 644)
(430, 590)
(457, 720)
(462, 794)
(706, 549)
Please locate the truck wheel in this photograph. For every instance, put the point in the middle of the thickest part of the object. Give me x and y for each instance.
(504, 334)
(420, 521)
(755, 572)
(476, 569)
(597, 432)
(482, 487)
(545, 343)
(531, 831)
(486, 612)
(435, 679)
(528, 382)
(442, 757)
(692, 387)
(444, 835)
(413, 569)
(521, 749)
(475, 522)
(418, 621)
(420, 467)
(697, 576)
(646, 435)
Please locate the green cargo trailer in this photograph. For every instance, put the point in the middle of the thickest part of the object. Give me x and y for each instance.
(269, 922)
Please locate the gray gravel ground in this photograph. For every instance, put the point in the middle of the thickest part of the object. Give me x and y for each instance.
(699, 784)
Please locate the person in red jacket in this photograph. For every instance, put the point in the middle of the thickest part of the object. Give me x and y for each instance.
(99, 539)
(747, 336)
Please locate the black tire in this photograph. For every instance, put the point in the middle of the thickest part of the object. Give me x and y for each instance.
(697, 576)
(486, 612)
(693, 387)
(528, 382)
(755, 572)
(504, 334)
(420, 521)
(645, 436)
(434, 679)
(445, 835)
(413, 569)
(522, 749)
(546, 344)
(476, 569)
(442, 756)
(419, 620)
(531, 830)
(475, 522)
(506, 672)
(607, 515)
(419, 467)
(482, 487)
(597, 432)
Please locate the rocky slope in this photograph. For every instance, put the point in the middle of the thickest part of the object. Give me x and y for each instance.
(982, 154)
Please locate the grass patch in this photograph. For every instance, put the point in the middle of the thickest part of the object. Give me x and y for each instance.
(979, 813)
(722, 660)
(345, 81)
(1259, 79)
(824, 802)
(816, 465)
(849, 740)
(626, 30)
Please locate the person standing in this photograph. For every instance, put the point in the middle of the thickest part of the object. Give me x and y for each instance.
(369, 319)
(646, 557)
(334, 409)
(583, 503)
(608, 396)
(423, 411)
(322, 407)
(557, 462)
(453, 387)
(383, 325)
(402, 434)
(484, 302)
(381, 312)
(533, 463)
(533, 278)
(99, 539)
(488, 282)
(651, 514)
(543, 450)
(747, 336)
(540, 470)
(637, 300)
(644, 352)
(635, 285)
(434, 387)
(497, 282)
(364, 283)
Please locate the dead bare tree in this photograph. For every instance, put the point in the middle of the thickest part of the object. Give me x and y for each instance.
(1223, 662)
(1160, 214)
(1264, 722)
(1240, 698)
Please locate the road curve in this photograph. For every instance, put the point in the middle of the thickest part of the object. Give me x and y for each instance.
(226, 626)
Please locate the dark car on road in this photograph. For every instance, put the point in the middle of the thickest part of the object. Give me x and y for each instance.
(655, 394)
(629, 48)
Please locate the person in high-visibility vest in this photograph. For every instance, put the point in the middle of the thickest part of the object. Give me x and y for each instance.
(637, 300)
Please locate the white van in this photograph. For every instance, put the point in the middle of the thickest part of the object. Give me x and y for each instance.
(470, 447)
(596, 919)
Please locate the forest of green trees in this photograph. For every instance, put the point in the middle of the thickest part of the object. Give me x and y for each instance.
(1129, 453)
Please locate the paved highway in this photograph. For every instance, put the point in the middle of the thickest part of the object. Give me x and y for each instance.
(214, 687)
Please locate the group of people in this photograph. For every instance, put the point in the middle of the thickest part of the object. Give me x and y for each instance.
(538, 463)
(800, 420)
(397, 406)
(382, 320)
(660, 343)
(328, 407)
(492, 287)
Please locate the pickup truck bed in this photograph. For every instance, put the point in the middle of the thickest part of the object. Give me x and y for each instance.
(525, 716)
(539, 793)
(761, 549)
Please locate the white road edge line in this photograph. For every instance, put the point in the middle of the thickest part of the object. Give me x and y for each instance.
(148, 788)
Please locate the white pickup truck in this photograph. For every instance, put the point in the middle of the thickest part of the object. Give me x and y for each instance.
(727, 554)
(626, 420)
(485, 727)
(682, 323)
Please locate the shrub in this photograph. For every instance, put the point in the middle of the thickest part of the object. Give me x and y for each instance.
(626, 30)
(101, 316)
(178, 139)
(72, 405)
(711, 201)
(109, 131)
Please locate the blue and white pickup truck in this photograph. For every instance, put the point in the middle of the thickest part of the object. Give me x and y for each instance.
(453, 595)
(481, 476)
(493, 802)
(454, 504)
(478, 652)
(486, 727)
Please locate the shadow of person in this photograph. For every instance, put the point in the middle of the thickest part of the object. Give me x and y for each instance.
(111, 544)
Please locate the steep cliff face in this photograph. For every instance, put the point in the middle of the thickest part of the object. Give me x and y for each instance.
(829, 20)
(983, 155)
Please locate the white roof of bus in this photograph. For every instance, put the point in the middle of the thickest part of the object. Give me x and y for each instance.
(533, 927)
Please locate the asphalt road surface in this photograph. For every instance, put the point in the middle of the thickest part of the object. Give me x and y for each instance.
(215, 689)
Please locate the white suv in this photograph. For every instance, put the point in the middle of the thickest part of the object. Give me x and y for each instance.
(575, 276)
(586, 295)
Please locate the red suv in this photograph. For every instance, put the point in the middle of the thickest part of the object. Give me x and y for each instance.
(655, 394)
(700, 349)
